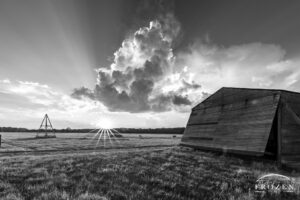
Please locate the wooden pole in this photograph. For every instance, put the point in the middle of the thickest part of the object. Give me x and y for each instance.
(46, 125)
(0, 140)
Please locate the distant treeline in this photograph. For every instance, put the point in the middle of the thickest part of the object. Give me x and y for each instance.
(12, 129)
(178, 130)
(152, 130)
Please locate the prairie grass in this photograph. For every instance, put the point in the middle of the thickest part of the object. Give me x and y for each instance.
(172, 173)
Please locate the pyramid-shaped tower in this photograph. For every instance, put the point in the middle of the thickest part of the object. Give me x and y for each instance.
(46, 129)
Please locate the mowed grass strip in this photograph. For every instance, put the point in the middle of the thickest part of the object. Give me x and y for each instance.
(173, 173)
(82, 141)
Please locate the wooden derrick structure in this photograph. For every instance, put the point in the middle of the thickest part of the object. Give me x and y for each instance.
(46, 129)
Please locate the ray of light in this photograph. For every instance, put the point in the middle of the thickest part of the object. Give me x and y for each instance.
(114, 136)
(92, 130)
(109, 136)
(96, 134)
(115, 130)
(105, 136)
(99, 138)
(112, 132)
(88, 133)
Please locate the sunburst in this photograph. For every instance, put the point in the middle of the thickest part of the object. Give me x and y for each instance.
(105, 133)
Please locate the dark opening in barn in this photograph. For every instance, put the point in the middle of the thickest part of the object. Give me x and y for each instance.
(256, 122)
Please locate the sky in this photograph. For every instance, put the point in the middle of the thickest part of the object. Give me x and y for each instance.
(138, 63)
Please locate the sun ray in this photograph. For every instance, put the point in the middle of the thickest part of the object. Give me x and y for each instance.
(96, 134)
(92, 130)
(87, 134)
(115, 130)
(105, 137)
(114, 136)
(109, 137)
(99, 138)
(106, 132)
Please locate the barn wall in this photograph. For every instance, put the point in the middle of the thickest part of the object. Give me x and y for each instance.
(232, 120)
(290, 130)
(271, 150)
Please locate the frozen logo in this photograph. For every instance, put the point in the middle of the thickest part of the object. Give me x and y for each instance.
(274, 183)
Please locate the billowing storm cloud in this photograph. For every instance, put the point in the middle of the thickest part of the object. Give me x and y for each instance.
(143, 76)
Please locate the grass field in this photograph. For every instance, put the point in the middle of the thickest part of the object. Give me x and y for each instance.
(152, 167)
(13, 142)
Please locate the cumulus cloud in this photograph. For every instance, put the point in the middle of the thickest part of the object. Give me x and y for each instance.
(82, 92)
(143, 76)
(24, 103)
(146, 74)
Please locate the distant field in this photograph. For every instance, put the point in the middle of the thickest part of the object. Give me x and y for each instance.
(13, 142)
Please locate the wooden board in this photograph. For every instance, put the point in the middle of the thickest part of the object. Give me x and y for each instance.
(290, 131)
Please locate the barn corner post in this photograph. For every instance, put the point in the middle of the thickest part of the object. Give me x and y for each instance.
(279, 137)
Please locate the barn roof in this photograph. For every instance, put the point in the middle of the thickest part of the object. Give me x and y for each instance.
(246, 93)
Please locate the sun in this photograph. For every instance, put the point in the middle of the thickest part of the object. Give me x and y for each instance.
(105, 123)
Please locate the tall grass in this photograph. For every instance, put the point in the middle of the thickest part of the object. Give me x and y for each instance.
(167, 174)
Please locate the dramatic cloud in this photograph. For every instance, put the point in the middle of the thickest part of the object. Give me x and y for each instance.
(24, 104)
(146, 75)
(78, 93)
(143, 76)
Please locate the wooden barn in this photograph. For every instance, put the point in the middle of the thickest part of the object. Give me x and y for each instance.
(256, 122)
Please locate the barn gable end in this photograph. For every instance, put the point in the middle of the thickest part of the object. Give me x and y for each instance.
(230, 118)
(248, 121)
